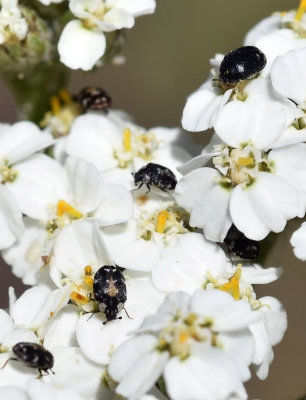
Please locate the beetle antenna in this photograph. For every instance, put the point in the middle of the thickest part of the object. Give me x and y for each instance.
(14, 359)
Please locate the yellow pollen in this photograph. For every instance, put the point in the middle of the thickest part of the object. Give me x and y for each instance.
(232, 287)
(63, 207)
(300, 11)
(79, 298)
(88, 270)
(245, 161)
(161, 221)
(183, 337)
(65, 96)
(127, 139)
(55, 105)
(88, 280)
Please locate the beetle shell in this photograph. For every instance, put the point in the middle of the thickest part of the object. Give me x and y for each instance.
(33, 355)
(94, 99)
(240, 64)
(240, 245)
(157, 175)
(109, 291)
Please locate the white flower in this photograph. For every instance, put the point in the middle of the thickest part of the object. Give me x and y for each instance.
(12, 22)
(192, 342)
(82, 41)
(256, 189)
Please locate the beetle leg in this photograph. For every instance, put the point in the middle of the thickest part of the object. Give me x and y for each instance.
(127, 313)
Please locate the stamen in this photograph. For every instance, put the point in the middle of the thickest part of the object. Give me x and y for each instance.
(55, 105)
(300, 11)
(183, 337)
(232, 287)
(88, 270)
(63, 207)
(127, 139)
(161, 221)
(88, 280)
(245, 161)
(79, 298)
(65, 96)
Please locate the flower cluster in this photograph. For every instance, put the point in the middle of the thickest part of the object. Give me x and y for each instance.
(119, 229)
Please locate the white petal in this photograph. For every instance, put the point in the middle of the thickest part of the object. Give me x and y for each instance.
(212, 377)
(76, 246)
(12, 393)
(288, 75)
(298, 241)
(97, 341)
(18, 335)
(264, 206)
(202, 107)
(262, 28)
(6, 323)
(92, 138)
(38, 305)
(10, 219)
(275, 318)
(38, 390)
(227, 314)
(116, 207)
(61, 331)
(79, 47)
(75, 372)
(21, 140)
(86, 183)
(25, 255)
(144, 374)
(255, 274)
(241, 122)
(116, 18)
(131, 352)
(135, 7)
(44, 181)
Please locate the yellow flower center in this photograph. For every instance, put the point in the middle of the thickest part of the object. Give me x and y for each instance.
(127, 139)
(161, 221)
(232, 287)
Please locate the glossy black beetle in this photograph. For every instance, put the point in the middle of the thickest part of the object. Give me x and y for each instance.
(240, 64)
(109, 291)
(33, 355)
(157, 175)
(240, 245)
(94, 99)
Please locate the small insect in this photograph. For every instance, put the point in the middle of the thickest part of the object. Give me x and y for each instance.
(157, 175)
(94, 99)
(240, 245)
(240, 64)
(109, 291)
(33, 355)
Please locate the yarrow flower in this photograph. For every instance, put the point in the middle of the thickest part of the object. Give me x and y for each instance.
(191, 341)
(12, 22)
(82, 41)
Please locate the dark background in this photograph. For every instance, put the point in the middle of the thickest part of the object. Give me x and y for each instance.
(167, 58)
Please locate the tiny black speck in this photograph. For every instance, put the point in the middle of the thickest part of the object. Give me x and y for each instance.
(94, 99)
(157, 175)
(34, 355)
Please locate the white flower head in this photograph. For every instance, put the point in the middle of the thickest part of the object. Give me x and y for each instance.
(83, 42)
(12, 22)
(187, 341)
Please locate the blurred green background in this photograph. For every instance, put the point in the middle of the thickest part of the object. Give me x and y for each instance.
(167, 58)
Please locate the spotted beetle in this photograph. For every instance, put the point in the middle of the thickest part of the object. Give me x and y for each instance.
(157, 175)
(33, 355)
(109, 291)
(94, 99)
(240, 245)
(240, 64)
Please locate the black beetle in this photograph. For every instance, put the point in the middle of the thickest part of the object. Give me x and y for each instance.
(240, 64)
(157, 175)
(33, 355)
(94, 99)
(240, 245)
(109, 290)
